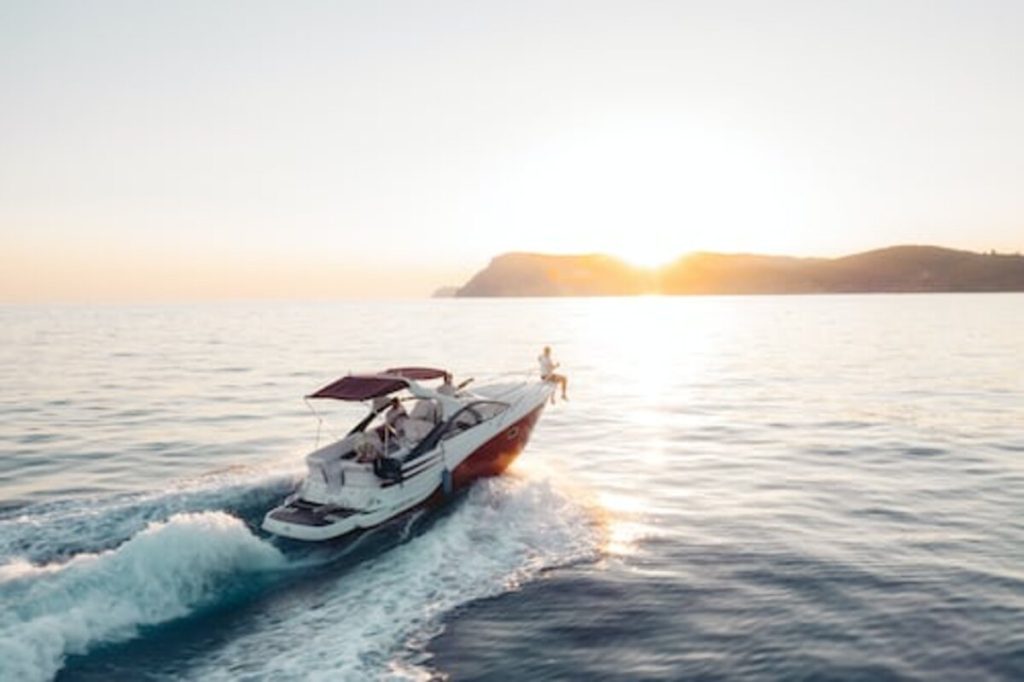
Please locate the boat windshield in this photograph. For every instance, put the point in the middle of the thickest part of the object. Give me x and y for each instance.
(466, 418)
(474, 414)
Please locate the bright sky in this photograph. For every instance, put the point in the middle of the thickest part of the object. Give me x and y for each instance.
(169, 150)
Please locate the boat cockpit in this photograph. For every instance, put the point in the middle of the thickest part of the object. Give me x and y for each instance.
(391, 434)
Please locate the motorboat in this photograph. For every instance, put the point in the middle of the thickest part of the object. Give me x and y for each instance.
(397, 459)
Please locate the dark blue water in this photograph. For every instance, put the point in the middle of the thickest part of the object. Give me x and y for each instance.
(739, 488)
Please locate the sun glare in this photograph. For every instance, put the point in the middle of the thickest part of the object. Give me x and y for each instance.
(645, 192)
(643, 254)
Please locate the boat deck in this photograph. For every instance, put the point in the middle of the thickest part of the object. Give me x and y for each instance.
(310, 514)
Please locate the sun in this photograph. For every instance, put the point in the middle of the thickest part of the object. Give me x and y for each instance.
(647, 192)
(647, 254)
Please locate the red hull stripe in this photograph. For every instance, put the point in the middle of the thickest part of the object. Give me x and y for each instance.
(494, 456)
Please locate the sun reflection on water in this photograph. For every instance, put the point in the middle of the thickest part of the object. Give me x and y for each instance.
(624, 520)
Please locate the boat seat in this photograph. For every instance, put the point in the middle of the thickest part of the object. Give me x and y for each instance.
(415, 430)
(424, 410)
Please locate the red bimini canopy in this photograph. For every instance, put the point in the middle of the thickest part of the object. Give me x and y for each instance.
(417, 373)
(355, 387)
(366, 386)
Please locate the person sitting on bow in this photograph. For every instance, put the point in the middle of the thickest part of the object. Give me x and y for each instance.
(547, 372)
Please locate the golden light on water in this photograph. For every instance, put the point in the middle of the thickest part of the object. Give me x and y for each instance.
(624, 527)
(657, 353)
(653, 347)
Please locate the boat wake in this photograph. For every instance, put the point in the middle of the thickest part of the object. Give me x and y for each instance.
(374, 620)
(166, 571)
(78, 577)
(55, 531)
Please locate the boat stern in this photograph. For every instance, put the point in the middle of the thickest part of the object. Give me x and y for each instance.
(301, 520)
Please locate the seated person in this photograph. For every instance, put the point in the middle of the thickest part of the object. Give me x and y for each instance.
(547, 372)
(447, 388)
(396, 417)
(407, 430)
(368, 447)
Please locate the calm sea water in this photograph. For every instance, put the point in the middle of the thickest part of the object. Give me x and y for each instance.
(740, 488)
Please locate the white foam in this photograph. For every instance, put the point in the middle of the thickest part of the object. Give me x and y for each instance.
(370, 622)
(162, 573)
(51, 531)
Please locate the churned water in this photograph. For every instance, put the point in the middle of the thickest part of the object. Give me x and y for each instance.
(740, 488)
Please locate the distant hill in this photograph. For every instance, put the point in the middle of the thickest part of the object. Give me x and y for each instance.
(894, 269)
(535, 274)
(445, 292)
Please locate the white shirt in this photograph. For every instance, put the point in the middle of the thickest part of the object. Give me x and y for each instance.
(547, 365)
(395, 417)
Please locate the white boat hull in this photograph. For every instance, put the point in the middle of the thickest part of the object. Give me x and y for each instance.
(367, 499)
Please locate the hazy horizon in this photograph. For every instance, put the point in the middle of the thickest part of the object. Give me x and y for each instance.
(208, 151)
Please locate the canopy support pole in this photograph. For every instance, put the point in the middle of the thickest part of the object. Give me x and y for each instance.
(319, 422)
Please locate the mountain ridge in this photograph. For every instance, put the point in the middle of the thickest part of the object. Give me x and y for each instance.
(892, 269)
